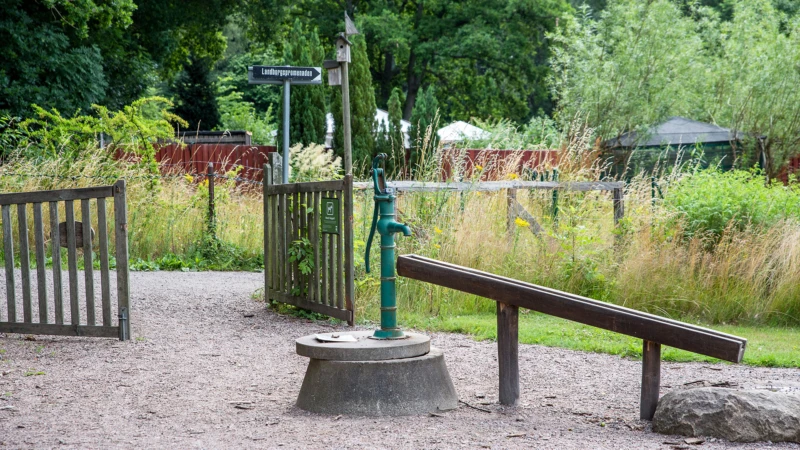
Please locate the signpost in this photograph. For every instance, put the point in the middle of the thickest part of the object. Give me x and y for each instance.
(287, 76)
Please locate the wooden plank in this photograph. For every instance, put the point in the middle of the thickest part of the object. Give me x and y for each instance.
(55, 251)
(295, 232)
(102, 244)
(281, 218)
(121, 238)
(267, 242)
(492, 186)
(72, 263)
(8, 249)
(55, 196)
(340, 270)
(349, 264)
(619, 205)
(303, 303)
(508, 352)
(24, 262)
(293, 188)
(331, 266)
(323, 261)
(41, 271)
(304, 279)
(88, 269)
(313, 236)
(651, 379)
(58, 330)
(576, 308)
(522, 213)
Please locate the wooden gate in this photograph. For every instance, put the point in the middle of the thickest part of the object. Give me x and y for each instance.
(308, 254)
(76, 236)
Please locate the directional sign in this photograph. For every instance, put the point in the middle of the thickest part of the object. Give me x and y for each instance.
(281, 74)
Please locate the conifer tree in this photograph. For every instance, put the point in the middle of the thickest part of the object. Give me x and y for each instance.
(362, 109)
(424, 124)
(306, 102)
(397, 157)
(195, 95)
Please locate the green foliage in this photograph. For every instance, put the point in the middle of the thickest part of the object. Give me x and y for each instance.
(314, 163)
(362, 109)
(133, 129)
(540, 133)
(307, 103)
(238, 114)
(396, 163)
(709, 202)
(424, 123)
(195, 95)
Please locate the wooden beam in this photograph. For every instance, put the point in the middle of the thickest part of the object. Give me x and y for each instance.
(576, 308)
(56, 196)
(296, 188)
(651, 379)
(492, 186)
(508, 352)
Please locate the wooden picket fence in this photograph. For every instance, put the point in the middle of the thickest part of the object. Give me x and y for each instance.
(75, 236)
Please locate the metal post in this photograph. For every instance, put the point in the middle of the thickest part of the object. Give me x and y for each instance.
(212, 227)
(286, 92)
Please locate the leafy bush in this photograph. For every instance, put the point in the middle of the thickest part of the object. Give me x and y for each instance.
(709, 201)
(314, 163)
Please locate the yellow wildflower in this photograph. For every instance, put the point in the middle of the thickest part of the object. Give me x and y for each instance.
(437, 246)
(189, 178)
(521, 222)
(513, 176)
(437, 230)
(478, 166)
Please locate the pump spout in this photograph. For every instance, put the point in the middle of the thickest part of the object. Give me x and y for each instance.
(395, 227)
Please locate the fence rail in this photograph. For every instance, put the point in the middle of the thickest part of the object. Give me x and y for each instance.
(77, 236)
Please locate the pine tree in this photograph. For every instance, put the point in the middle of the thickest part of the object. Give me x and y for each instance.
(396, 164)
(195, 95)
(424, 124)
(362, 109)
(306, 102)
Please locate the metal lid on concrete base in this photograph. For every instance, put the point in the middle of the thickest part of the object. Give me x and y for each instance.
(364, 349)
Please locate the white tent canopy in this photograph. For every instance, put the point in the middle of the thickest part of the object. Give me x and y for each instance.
(458, 131)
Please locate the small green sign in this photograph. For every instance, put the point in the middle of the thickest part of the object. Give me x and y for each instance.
(330, 215)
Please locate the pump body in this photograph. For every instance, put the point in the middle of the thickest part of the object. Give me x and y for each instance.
(384, 221)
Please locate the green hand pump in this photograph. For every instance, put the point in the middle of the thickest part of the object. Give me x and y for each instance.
(387, 226)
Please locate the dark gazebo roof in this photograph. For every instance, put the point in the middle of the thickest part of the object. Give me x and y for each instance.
(675, 132)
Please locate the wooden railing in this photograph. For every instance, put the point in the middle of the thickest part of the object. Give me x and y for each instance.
(512, 294)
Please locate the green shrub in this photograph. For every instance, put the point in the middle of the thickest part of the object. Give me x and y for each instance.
(709, 201)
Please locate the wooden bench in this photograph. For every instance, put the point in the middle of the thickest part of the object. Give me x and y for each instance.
(512, 294)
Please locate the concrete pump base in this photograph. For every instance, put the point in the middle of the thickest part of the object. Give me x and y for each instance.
(394, 387)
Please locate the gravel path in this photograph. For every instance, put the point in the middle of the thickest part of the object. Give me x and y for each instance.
(208, 367)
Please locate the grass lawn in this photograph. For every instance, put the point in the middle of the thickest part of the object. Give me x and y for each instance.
(766, 346)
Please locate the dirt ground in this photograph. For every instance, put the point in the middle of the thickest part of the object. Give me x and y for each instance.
(208, 367)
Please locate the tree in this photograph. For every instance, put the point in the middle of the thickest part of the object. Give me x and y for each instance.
(47, 56)
(396, 164)
(195, 95)
(487, 57)
(424, 124)
(307, 103)
(629, 69)
(362, 109)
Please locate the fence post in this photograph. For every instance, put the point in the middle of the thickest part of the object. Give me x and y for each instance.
(121, 242)
(555, 199)
(511, 198)
(212, 225)
(508, 352)
(267, 176)
(653, 190)
(619, 206)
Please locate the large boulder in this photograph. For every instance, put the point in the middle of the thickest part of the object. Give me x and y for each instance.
(735, 415)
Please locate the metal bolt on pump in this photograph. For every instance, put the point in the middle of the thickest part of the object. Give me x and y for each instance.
(387, 226)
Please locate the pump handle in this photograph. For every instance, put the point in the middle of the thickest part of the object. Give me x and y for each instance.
(379, 183)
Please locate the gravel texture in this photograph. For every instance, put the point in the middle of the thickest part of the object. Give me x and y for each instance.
(208, 367)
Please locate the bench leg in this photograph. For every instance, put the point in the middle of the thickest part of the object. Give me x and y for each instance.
(651, 379)
(507, 352)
